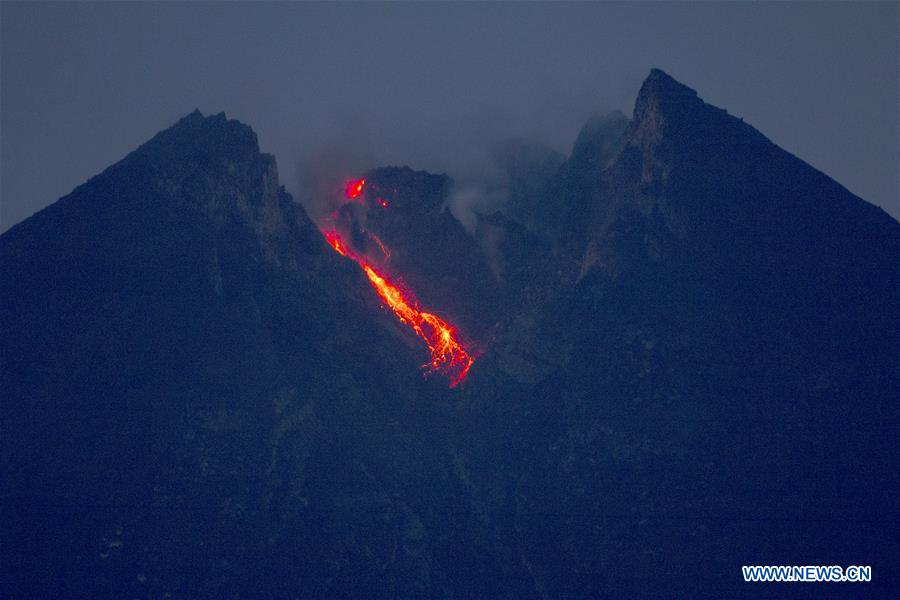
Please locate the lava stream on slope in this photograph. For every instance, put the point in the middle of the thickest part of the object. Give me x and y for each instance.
(448, 354)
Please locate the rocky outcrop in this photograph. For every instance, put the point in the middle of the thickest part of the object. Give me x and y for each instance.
(706, 383)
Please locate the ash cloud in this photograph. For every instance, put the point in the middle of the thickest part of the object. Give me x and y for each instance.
(472, 149)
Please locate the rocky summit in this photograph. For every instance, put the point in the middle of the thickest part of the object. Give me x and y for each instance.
(686, 361)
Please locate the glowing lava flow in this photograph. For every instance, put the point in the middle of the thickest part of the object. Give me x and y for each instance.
(448, 356)
(355, 188)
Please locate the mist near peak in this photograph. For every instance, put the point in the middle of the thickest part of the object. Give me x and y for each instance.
(479, 150)
(367, 85)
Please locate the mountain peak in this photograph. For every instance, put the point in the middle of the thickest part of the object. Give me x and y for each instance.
(206, 163)
(202, 136)
(660, 84)
(663, 99)
(216, 147)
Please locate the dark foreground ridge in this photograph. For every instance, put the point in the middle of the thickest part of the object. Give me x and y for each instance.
(690, 340)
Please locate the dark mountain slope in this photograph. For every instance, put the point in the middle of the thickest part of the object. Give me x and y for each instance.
(709, 200)
(719, 387)
(201, 398)
(693, 367)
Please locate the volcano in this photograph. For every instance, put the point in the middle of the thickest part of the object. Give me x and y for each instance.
(672, 353)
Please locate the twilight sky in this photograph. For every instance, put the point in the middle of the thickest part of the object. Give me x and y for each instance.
(362, 85)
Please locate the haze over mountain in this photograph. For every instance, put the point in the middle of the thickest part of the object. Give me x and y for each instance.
(687, 347)
(344, 87)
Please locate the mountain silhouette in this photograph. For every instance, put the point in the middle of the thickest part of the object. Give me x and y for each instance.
(687, 362)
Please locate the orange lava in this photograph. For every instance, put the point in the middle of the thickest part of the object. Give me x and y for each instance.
(334, 238)
(448, 356)
(380, 245)
(354, 188)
